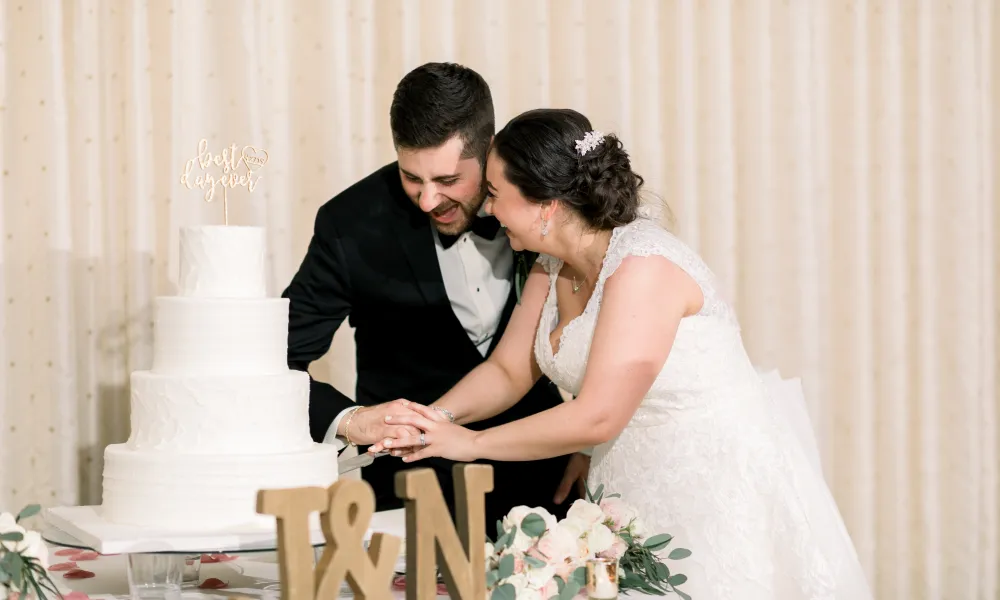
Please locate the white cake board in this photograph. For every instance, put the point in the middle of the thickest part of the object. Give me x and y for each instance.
(86, 524)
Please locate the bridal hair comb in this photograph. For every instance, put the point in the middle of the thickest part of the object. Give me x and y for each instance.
(591, 140)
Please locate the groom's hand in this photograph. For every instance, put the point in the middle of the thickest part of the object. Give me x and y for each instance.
(369, 424)
(576, 474)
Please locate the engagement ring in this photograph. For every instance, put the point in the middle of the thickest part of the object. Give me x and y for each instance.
(423, 440)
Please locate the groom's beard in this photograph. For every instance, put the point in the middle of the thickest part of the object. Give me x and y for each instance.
(468, 212)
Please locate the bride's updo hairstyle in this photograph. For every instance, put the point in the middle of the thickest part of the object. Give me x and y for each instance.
(543, 159)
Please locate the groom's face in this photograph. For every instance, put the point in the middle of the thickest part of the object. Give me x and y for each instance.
(446, 186)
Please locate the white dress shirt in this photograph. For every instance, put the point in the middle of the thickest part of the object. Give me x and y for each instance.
(477, 279)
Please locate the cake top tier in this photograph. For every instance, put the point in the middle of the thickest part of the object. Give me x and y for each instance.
(222, 261)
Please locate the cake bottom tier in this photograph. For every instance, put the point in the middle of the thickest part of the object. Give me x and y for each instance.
(165, 491)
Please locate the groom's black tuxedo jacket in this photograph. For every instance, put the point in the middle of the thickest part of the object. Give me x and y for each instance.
(372, 260)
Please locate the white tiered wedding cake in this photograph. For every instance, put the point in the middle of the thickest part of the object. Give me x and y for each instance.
(219, 416)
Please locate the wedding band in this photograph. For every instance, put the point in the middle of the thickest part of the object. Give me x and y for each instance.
(423, 440)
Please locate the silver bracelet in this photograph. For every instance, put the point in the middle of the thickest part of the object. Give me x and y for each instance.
(445, 412)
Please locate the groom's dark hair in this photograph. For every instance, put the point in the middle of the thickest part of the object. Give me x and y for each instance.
(436, 101)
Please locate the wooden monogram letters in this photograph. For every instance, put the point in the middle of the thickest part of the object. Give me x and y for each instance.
(345, 511)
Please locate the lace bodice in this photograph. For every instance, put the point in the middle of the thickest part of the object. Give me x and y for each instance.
(707, 457)
(694, 360)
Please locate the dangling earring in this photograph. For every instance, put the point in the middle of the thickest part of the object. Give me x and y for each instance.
(545, 227)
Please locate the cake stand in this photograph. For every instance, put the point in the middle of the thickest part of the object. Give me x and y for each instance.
(81, 527)
(84, 527)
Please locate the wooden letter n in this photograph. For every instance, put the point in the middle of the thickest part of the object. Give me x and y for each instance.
(431, 538)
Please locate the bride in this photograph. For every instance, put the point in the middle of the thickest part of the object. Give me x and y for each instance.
(627, 318)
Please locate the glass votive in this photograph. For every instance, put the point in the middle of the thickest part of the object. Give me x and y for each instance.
(602, 579)
(192, 568)
(155, 576)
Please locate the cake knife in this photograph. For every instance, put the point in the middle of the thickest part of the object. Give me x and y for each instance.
(346, 465)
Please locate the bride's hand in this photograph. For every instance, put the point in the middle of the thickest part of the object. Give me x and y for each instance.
(436, 438)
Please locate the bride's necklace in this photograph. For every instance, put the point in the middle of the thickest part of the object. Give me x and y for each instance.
(578, 286)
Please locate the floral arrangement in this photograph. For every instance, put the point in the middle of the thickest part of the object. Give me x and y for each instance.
(536, 557)
(23, 559)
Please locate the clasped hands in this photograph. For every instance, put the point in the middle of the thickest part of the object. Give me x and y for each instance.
(412, 431)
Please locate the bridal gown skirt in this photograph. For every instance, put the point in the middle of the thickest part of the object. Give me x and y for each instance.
(736, 480)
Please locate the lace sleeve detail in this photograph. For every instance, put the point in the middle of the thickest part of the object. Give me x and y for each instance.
(551, 264)
(646, 238)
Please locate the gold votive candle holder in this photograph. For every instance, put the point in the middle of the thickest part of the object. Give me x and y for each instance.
(602, 579)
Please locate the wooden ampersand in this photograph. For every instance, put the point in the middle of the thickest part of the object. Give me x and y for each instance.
(431, 537)
(345, 525)
(346, 509)
(292, 507)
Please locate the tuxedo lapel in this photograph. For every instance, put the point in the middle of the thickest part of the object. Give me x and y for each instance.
(412, 229)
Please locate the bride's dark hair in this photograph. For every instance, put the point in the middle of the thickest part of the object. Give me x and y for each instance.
(538, 149)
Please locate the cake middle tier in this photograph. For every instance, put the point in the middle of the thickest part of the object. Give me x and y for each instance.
(193, 336)
(220, 414)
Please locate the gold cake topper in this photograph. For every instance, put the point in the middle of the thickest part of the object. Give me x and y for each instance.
(239, 169)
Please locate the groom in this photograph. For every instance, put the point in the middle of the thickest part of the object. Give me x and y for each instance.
(425, 278)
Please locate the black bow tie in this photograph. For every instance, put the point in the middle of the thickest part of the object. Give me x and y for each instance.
(484, 227)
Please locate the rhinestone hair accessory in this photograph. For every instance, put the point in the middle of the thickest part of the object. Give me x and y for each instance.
(591, 140)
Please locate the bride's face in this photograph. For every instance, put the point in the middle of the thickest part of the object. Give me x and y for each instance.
(521, 217)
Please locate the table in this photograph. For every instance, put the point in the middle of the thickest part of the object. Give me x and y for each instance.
(252, 574)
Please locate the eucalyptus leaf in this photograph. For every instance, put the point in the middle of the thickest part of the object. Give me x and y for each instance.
(533, 525)
(679, 553)
(503, 592)
(506, 566)
(662, 571)
(534, 563)
(658, 542)
(570, 591)
(28, 511)
(12, 536)
(560, 583)
(500, 530)
(579, 576)
(682, 594)
(492, 578)
(677, 579)
(4, 576)
(599, 494)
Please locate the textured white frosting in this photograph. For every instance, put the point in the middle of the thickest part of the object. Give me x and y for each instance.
(168, 491)
(193, 336)
(220, 414)
(222, 261)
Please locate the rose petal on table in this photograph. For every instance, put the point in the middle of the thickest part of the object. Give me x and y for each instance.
(217, 558)
(78, 574)
(86, 556)
(76, 596)
(69, 551)
(63, 566)
(213, 583)
(399, 584)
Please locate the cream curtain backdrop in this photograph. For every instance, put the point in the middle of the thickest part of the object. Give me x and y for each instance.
(835, 163)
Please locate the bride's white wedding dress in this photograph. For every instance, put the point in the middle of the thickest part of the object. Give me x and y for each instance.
(711, 456)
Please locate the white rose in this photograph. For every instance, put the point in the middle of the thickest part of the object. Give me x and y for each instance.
(586, 513)
(34, 547)
(7, 522)
(522, 541)
(538, 577)
(639, 528)
(559, 543)
(618, 512)
(31, 544)
(530, 594)
(600, 538)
